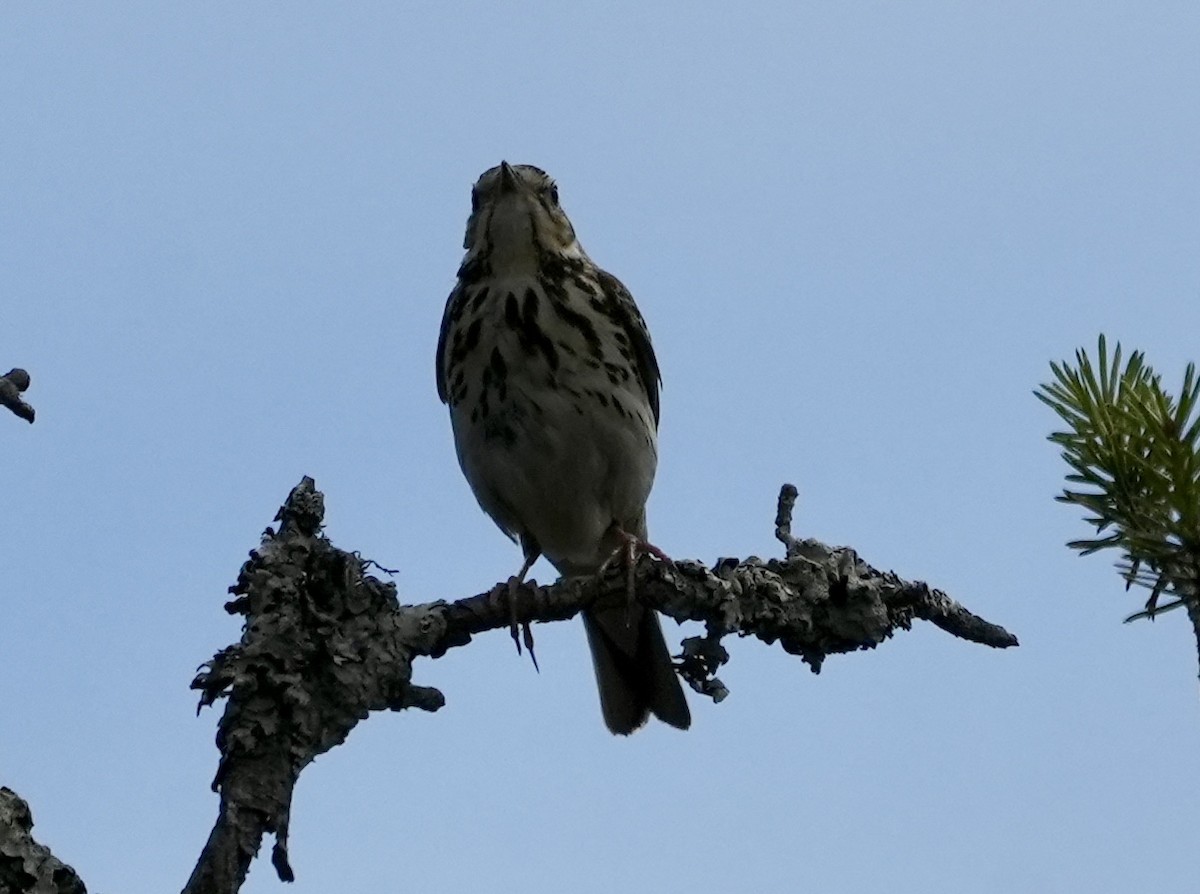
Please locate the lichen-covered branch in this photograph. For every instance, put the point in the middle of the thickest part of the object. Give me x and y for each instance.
(325, 643)
(27, 867)
(12, 385)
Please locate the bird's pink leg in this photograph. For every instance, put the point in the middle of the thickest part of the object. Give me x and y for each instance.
(627, 552)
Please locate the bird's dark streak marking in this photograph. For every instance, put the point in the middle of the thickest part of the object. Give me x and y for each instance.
(495, 373)
(497, 364)
(585, 284)
(529, 308)
(472, 270)
(532, 333)
(515, 322)
(616, 369)
(537, 243)
(558, 268)
(578, 321)
(554, 288)
(502, 427)
(472, 340)
(478, 298)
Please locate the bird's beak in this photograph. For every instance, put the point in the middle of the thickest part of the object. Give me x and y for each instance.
(509, 178)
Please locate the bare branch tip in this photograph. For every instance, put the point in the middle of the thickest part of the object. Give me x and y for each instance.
(12, 385)
(783, 515)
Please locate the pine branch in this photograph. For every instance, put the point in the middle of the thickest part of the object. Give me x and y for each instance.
(325, 643)
(1136, 450)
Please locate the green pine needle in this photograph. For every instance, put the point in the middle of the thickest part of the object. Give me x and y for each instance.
(1134, 452)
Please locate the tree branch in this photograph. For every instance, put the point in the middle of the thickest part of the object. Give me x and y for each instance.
(325, 644)
(27, 867)
(12, 385)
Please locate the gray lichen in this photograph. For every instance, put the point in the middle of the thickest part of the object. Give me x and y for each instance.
(325, 643)
(27, 867)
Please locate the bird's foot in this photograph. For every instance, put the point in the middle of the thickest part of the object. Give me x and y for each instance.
(627, 552)
(520, 632)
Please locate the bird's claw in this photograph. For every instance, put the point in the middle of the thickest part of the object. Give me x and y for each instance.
(627, 552)
(519, 631)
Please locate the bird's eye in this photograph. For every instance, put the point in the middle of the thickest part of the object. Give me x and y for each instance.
(552, 192)
(474, 200)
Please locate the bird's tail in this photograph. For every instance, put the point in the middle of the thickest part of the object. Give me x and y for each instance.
(633, 669)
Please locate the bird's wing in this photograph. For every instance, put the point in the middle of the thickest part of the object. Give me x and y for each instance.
(454, 309)
(626, 312)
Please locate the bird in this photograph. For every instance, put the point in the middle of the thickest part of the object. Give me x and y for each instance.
(552, 383)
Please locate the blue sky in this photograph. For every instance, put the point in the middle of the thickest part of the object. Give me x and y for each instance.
(858, 232)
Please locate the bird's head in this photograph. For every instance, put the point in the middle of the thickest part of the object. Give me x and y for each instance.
(516, 220)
